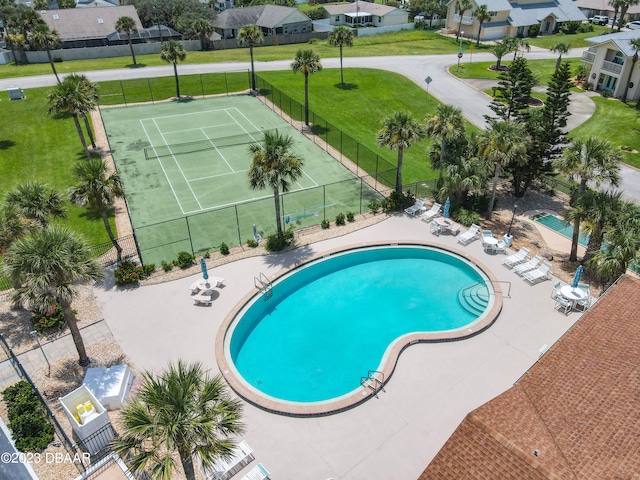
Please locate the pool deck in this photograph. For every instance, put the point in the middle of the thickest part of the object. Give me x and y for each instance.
(395, 436)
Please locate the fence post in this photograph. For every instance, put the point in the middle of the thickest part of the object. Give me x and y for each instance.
(324, 202)
(238, 225)
(361, 189)
(326, 137)
(150, 90)
(201, 85)
(226, 83)
(377, 158)
(189, 232)
(341, 159)
(124, 97)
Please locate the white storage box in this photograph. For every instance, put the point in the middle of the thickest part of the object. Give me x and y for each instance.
(109, 385)
(85, 413)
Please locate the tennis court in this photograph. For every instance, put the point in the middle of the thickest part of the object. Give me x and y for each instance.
(184, 169)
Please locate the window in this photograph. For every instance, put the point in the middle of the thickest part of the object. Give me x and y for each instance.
(379, 19)
(337, 18)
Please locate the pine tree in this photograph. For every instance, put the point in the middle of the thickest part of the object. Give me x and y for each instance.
(515, 90)
(556, 108)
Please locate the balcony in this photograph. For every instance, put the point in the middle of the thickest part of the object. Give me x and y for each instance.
(466, 19)
(611, 67)
(588, 57)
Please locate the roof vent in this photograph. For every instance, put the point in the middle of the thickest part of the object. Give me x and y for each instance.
(100, 20)
(55, 16)
(536, 453)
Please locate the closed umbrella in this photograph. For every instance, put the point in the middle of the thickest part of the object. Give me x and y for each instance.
(447, 207)
(576, 277)
(203, 266)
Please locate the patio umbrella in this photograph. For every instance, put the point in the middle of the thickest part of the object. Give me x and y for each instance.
(203, 266)
(447, 206)
(576, 277)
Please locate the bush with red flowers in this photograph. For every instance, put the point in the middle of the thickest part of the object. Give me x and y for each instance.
(48, 319)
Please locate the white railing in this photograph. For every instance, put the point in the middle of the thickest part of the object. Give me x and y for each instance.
(588, 57)
(466, 20)
(611, 67)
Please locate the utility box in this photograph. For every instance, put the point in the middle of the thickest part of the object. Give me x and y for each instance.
(15, 93)
(109, 385)
(86, 416)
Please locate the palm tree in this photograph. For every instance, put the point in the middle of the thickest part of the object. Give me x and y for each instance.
(635, 44)
(339, 37)
(616, 4)
(482, 15)
(70, 97)
(399, 131)
(600, 210)
(35, 203)
(588, 161)
(90, 91)
(251, 35)
(515, 44)
(47, 265)
(499, 50)
(204, 29)
(12, 226)
(624, 7)
(274, 166)
(184, 411)
(446, 124)
(97, 190)
(462, 6)
(560, 48)
(173, 52)
(503, 143)
(44, 38)
(307, 62)
(127, 25)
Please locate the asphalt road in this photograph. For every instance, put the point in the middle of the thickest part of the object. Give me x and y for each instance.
(444, 87)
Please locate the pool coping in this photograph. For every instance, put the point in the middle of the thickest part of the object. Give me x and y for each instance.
(361, 394)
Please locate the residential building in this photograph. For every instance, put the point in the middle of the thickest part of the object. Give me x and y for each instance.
(272, 20)
(513, 17)
(609, 61)
(574, 415)
(366, 14)
(603, 7)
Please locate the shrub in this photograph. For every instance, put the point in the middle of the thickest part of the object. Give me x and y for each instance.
(569, 28)
(206, 254)
(149, 268)
(374, 206)
(420, 25)
(317, 14)
(465, 217)
(585, 28)
(27, 419)
(534, 30)
(166, 266)
(396, 202)
(43, 321)
(224, 249)
(606, 93)
(581, 73)
(325, 224)
(351, 217)
(252, 243)
(279, 241)
(128, 273)
(185, 260)
(57, 60)
(340, 219)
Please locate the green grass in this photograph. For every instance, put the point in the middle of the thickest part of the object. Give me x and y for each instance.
(621, 128)
(37, 146)
(542, 69)
(407, 42)
(359, 109)
(577, 40)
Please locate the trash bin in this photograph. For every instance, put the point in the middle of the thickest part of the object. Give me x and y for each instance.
(507, 240)
(15, 93)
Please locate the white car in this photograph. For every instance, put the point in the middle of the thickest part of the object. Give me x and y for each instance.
(633, 25)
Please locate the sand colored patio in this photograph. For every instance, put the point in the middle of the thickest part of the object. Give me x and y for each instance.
(433, 387)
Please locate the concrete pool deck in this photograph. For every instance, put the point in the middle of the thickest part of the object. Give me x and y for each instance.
(395, 436)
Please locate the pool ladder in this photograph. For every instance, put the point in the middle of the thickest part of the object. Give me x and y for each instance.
(265, 286)
(373, 381)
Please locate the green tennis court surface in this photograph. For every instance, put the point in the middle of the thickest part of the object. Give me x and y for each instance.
(184, 169)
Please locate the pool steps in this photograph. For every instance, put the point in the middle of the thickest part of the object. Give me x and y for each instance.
(265, 286)
(474, 298)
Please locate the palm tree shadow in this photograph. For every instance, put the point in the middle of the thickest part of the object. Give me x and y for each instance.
(346, 86)
(137, 65)
(289, 258)
(6, 144)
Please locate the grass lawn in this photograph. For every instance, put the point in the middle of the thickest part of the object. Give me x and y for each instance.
(407, 42)
(542, 69)
(37, 146)
(576, 40)
(621, 128)
(359, 109)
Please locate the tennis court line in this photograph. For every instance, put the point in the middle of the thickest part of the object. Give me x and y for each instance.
(216, 148)
(199, 128)
(162, 167)
(185, 114)
(178, 165)
(315, 184)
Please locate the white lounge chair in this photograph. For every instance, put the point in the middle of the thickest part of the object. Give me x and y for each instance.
(431, 214)
(469, 235)
(241, 456)
(416, 207)
(530, 265)
(257, 473)
(540, 273)
(518, 257)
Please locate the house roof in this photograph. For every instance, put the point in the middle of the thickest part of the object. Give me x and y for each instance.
(622, 41)
(146, 33)
(574, 415)
(85, 23)
(604, 6)
(371, 8)
(535, 13)
(267, 16)
(492, 5)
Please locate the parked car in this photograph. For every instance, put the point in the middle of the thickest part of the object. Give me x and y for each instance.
(635, 25)
(599, 20)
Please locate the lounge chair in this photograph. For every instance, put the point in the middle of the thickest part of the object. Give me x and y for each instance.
(540, 273)
(241, 456)
(257, 473)
(518, 257)
(530, 265)
(416, 207)
(563, 304)
(431, 214)
(469, 235)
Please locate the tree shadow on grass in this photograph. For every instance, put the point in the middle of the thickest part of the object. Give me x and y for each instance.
(137, 65)
(6, 144)
(346, 86)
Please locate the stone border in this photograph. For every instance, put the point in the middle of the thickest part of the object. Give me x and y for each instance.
(361, 394)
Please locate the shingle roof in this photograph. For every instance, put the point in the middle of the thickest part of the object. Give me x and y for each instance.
(604, 6)
(85, 23)
(622, 40)
(530, 14)
(267, 16)
(578, 407)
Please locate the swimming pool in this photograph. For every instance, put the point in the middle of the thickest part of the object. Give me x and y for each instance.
(325, 326)
(558, 225)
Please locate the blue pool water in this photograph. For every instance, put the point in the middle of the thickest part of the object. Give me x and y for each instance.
(330, 322)
(563, 228)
